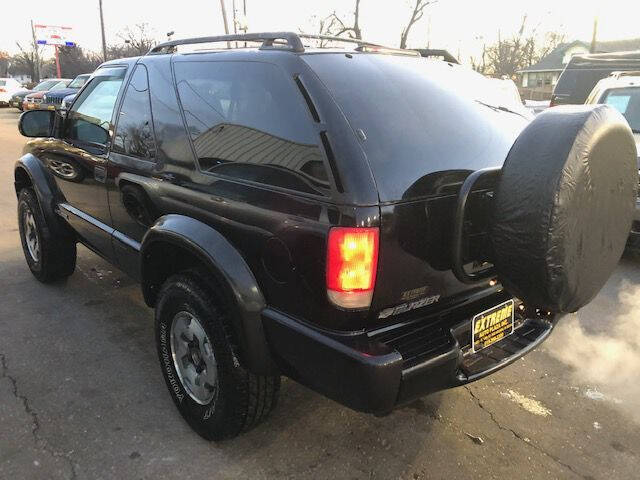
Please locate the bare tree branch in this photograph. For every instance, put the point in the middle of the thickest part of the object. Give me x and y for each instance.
(507, 56)
(336, 26)
(416, 15)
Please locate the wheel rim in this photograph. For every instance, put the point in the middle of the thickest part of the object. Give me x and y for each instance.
(31, 234)
(193, 358)
(63, 169)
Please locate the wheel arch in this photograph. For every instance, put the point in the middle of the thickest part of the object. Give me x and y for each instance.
(176, 243)
(29, 173)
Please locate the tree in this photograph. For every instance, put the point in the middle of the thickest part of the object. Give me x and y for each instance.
(138, 40)
(524, 48)
(416, 15)
(4, 63)
(333, 25)
(27, 61)
(74, 61)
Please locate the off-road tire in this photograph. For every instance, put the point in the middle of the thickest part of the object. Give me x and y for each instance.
(57, 253)
(242, 399)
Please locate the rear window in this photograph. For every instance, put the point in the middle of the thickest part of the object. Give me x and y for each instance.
(577, 84)
(3, 83)
(627, 102)
(248, 121)
(419, 116)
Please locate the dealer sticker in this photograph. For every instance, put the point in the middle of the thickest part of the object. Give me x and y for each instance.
(492, 325)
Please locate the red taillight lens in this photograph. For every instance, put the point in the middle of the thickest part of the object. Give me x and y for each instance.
(352, 260)
(2, 90)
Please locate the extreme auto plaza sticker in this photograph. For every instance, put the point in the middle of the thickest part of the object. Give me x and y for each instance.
(492, 325)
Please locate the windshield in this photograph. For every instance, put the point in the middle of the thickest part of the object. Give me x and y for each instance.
(59, 86)
(79, 81)
(417, 116)
(627, 102)
(46, 85)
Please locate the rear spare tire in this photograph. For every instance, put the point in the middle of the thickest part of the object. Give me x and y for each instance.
(564, 205)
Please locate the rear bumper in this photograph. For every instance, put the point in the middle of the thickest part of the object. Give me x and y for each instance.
(375, 373)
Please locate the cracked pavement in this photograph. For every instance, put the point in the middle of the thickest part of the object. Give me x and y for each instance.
(81, 396)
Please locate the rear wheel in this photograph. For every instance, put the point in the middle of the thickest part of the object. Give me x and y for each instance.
(213, 392)
(49, 257)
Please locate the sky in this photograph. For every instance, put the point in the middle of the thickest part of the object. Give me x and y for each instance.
(461, 26)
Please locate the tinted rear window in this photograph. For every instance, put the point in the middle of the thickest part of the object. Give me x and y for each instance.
(2, 83)
(419, 116)
(577, 84)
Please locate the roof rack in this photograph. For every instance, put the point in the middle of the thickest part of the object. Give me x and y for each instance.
(268, 40)
(277, 40)
(437, 53)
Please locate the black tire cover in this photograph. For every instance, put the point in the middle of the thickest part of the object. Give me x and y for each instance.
(564, 206)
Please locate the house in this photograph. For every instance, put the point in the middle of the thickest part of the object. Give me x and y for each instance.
(539, 79)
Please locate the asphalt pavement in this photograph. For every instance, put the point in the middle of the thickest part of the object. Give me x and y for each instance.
(82, 396)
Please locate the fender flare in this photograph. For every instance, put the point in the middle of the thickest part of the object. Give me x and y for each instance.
(45, 190)
(230, 269)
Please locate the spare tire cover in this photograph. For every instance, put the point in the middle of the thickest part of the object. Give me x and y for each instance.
(564, 206)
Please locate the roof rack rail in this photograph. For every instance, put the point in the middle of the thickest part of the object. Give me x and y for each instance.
(268, 40)
(625, 73)
(277, 40)
(363, 45)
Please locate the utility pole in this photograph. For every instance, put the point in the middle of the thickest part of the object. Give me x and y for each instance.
(104, 42)
(594, 36)
(235, 20)
(224, 19)
(58, 70)
(35, 53)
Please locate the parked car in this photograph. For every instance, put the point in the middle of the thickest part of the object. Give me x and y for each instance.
(53, 98)
(33, 101)
(67, 101)
(537, 106)
(8, 86)
(18, 97)
(621, 90)
(365, 221)
(583, 72)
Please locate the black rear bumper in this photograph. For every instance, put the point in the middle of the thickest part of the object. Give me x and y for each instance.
(377, 371)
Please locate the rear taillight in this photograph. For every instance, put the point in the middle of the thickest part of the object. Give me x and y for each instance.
(352, 260)
(2, 90)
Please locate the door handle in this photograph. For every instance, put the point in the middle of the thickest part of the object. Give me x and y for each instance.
(165, 177)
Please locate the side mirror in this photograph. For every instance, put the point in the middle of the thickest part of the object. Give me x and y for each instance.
(36, 123)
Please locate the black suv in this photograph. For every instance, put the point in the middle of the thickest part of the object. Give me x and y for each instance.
(370, 223)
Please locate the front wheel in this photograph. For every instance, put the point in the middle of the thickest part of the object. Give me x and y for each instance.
(213, 392)
(49, 257)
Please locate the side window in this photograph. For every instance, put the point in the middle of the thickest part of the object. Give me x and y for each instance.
(134, 131)
(247, 120)
(89, 120)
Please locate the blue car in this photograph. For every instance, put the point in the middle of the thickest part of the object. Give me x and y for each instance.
(53, 100)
